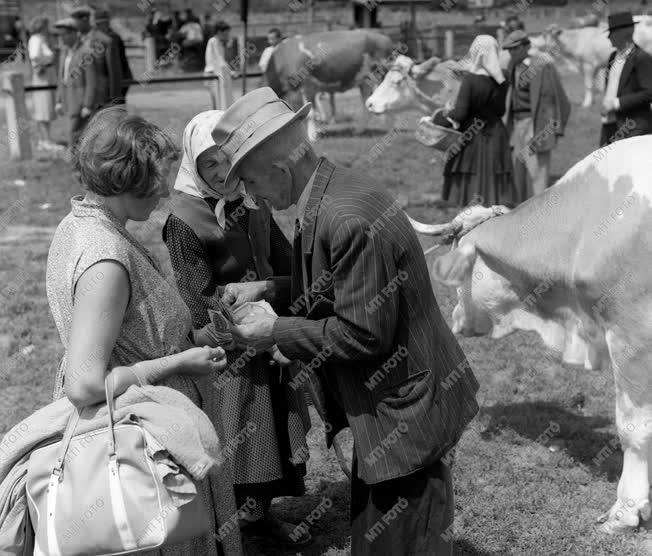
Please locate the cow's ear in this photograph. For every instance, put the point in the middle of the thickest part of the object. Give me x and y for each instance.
(453, 267)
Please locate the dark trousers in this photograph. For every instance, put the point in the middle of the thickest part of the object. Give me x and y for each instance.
(607, 132)
(408, 516)
(612, 132)
(77, 125)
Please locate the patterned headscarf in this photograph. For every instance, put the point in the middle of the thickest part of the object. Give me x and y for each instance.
(484, 58)
(196, 140)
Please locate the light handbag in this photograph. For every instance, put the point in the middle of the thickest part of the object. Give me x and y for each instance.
(99, 493)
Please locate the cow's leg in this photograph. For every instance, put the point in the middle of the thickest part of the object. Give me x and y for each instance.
(310, 120)
(631, 366)
(332, 101)
(318, 104)
(589, 81)
(365, 93)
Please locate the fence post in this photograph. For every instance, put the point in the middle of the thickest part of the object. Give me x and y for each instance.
(242, 54)
(18, 128)
(449, 44)
(150, 53)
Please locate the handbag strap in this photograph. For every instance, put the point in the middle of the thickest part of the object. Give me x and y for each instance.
(74, 420)
(67, 437)
(109, 391)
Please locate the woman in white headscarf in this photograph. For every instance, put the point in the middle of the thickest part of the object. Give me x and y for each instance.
(215, 237)
(478, 166)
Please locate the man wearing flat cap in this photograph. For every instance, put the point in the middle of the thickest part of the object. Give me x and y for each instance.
(367, 328)
(105, 57)
(77, 80)
(628, 90)
(103, 24)
(537, 112)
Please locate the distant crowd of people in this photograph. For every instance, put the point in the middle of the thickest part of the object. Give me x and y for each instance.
(89, 66)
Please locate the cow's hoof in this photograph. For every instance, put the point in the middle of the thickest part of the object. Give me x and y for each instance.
(623, 518)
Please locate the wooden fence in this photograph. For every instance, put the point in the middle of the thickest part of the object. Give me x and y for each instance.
(19, 121)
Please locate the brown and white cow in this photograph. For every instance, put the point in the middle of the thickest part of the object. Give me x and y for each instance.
(411, 86)
(574, 265)
(328, 61)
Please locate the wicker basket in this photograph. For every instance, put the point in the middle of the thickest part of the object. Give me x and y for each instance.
(436, 136)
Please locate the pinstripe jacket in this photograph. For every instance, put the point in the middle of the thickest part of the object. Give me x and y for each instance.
(369, 326)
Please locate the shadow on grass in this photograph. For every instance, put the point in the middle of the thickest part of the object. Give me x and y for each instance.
(351, 131)
(465, 548)
(550, 423)
(330, 530)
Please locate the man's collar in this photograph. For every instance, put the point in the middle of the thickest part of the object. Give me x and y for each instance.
(302, 202)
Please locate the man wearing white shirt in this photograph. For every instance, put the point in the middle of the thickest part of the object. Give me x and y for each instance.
(274, 37)
(628, 93)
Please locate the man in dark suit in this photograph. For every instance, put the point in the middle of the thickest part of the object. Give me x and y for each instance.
(106, 59)
(628, 89)
(103, 23)
(77, 80)
(366, 322)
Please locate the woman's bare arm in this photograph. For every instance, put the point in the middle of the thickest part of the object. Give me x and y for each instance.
(101, 299)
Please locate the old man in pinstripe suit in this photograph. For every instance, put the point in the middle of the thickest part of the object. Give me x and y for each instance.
(388, 365)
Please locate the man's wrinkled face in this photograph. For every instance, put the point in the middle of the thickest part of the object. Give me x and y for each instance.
(266, 169)
(264, 175)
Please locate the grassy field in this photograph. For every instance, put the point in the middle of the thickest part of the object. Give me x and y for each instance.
(525, 480)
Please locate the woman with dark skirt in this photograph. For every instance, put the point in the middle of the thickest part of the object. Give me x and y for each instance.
(478, 165)
(215, 238)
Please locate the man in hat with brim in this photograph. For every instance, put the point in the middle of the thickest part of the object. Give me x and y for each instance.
(103, 24)
(76, 82)
(537, 112)
(628, 90)
(103, 51)
(366, 326)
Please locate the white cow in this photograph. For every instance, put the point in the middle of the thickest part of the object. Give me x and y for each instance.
(573, 265)
(409, 86)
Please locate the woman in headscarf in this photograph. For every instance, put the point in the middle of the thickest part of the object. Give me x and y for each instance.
(216, 237)
(478, 166)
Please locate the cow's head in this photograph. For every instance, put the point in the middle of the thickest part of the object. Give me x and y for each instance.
(409, 86)
(484, 295)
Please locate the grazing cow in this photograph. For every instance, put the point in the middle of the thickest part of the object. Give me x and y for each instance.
(329, 61)
(411, 86)
(573, 264)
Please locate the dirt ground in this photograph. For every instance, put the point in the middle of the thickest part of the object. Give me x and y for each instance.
(515, 494)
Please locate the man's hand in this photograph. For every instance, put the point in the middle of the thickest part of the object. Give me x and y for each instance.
(58, 108)
(85, 112)
(236, 294)
(255, 331)
(610, 104)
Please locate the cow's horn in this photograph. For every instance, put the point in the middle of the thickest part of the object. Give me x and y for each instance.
(449, 229)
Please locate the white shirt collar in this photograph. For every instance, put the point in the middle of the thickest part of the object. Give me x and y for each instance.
(302, 202)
